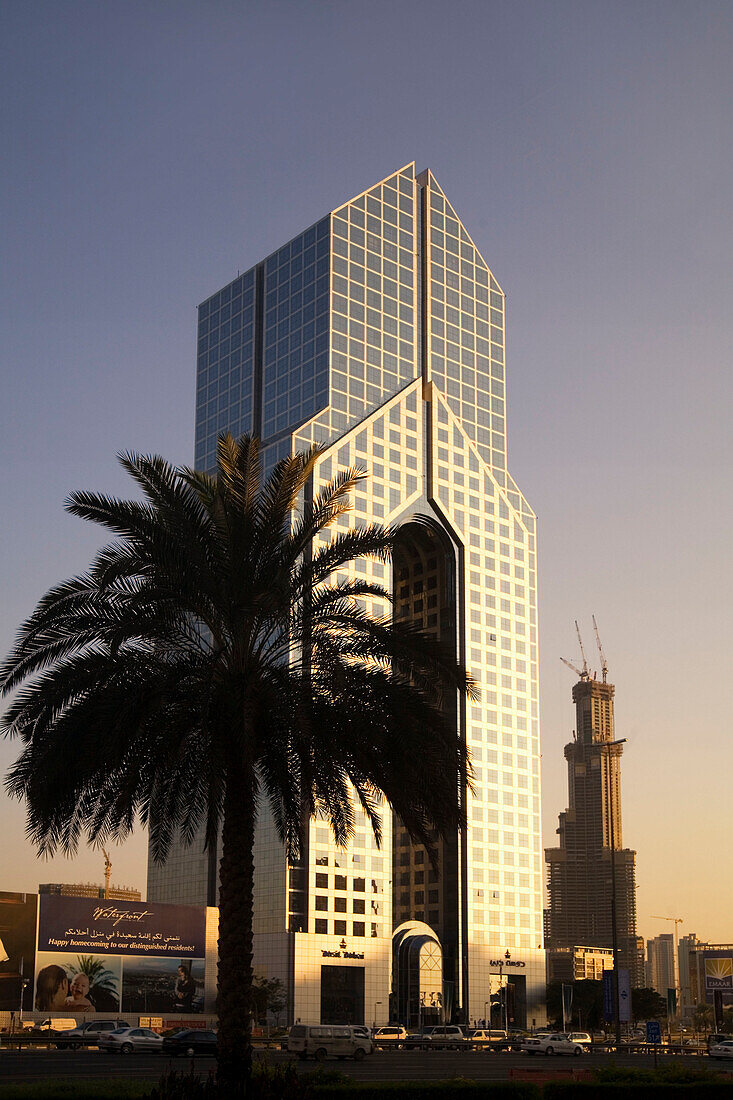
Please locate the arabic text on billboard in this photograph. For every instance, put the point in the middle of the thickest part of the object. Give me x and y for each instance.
(120, 928)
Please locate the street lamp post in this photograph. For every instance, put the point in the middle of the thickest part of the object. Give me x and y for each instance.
(375, 1013)
(502, 994)
(614, 925)
(487, 1015)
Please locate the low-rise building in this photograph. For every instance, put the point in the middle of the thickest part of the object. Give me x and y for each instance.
(578, 964)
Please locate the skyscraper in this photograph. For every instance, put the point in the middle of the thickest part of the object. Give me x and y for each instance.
(379, 333)
(591, 838)
(662, 963)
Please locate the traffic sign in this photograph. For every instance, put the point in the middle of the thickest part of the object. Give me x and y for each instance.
(653, 1031)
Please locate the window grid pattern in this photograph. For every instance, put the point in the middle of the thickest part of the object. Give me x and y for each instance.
(466, 331)
(373, 347)
(504, 837)
(295, 345)
(225, 366)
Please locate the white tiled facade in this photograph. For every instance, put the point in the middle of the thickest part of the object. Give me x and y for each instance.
(382, 336)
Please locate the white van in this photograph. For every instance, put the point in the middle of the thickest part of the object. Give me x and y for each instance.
(58, 1023)
(318, 1041)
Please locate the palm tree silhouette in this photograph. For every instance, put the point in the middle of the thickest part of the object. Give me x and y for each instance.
(209, 667)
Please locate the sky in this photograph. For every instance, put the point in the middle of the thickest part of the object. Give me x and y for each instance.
(152, 151)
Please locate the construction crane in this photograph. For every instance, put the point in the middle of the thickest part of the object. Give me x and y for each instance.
(601, 654)
(107, 874)
(582, 675)
(586, 673)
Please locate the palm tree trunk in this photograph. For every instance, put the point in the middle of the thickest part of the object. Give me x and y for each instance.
(235, 932)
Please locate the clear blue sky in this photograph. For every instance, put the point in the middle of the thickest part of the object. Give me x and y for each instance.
(151, 150)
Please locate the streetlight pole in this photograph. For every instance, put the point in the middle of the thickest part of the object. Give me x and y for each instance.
(614, 924)
(502, 991)
(487, 1015)
(375, 1013)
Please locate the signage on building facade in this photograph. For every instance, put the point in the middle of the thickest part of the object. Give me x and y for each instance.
(342, 953)
(506, 962)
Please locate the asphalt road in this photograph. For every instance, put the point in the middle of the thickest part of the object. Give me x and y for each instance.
(39, 1065)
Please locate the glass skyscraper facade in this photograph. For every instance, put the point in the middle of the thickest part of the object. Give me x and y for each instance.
(379, 333)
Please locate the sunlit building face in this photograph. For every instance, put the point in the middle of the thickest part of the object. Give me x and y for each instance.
(379, 332)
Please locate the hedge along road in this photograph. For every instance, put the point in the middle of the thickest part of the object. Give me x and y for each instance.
(45, 1065)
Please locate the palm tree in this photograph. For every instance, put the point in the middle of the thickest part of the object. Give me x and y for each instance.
(208, 668)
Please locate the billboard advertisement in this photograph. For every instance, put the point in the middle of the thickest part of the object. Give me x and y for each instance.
(119, 957)
(17, 949)
(77, 983)
(718, 974)
(71, 925)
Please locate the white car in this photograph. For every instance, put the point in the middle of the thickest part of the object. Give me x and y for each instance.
(581, 1037)
(552, 1044)
(484, 1039)
(390, 1036)
(131, 1040)
(722, 1050)
(448, 1035)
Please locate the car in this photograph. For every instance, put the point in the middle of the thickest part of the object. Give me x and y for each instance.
(556, 1043)
(130, 1040)
(390, 1036)
(722, 1050)
(88, 1033)
(718, 1037)
(580, 1037)
(319, 1041)
(446, 1035)
(190, 1042)
(484, 1039)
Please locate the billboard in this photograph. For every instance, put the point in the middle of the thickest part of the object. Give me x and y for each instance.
(718, 974)
(119, 957)
(17, 950)
(120, 928)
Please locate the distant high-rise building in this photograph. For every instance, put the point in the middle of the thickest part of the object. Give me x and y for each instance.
(89, 890)
(661, 963)
(578, 964)
(378, 333)
(686, 945)
(579, 870)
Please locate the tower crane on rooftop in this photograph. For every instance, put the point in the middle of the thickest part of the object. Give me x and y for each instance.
(107, 873)
(601, 654)
(586, 673)
(581, 675)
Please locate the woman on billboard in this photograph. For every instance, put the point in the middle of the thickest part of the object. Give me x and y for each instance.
(52, 989)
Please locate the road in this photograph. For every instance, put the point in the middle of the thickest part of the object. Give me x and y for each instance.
(39, 1065)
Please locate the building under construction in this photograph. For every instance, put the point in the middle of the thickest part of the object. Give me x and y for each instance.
(90, 890)
(590, 859)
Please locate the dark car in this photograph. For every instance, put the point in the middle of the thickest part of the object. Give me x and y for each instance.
(718, 1037)
(189, 1043)
(88, 1033)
